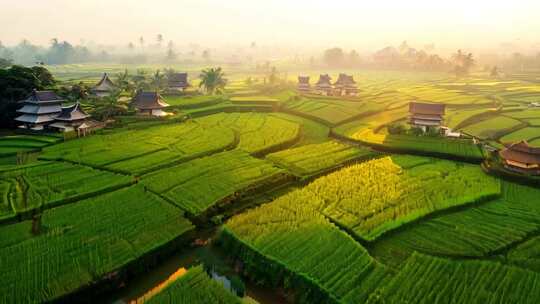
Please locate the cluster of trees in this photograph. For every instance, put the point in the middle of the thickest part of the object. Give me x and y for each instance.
(402, 57)
(337, 57)
(406, 57)
(59, 52)
(16, 83)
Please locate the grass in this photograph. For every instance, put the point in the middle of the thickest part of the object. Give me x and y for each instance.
(287, 236)
(492, 128)
(195, 287)
(82, 243)
(200, 184)
(312, 159)
(426, 279)
(47, 184)
(527, 133)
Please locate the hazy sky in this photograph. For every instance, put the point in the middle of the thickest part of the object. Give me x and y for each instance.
(358, 24)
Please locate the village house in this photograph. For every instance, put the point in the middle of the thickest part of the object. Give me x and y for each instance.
(149, 103)
(39, 109)
(70, 118)
(323, 86)
(426, 116)
(303, 84)
(521, 157)
(345, 86)
(178, 82)
(104, 87)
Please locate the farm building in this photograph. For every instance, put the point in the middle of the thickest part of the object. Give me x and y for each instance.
(149, 103)
(345, 86)
(426, 115)
(39, 109)
(323, 86)
(521, 157)
(104, 87)
(303, 84)
(70, 118)
(178, 82)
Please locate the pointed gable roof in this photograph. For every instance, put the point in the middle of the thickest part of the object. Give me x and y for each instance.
(148, 101)
(345, 80)
(104, 85)
(324, 80)
(426, 108)
(303, 80)
(71, 113)
(521, 152)
(179, 80)
(39, 97)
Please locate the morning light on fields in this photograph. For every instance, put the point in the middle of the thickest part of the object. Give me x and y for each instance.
(272, 152)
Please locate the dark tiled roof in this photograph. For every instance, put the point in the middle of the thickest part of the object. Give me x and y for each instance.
(303, 79)
(521, 152)
(345, 80)
(178, 80)
(148, 101)
(426, 108)
(71, 113)
(42, 97)
(324, 80)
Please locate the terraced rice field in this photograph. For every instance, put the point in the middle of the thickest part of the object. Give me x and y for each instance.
(311, 159)
(195, 287)
(48, 184)
(200, 184)
(82, 243)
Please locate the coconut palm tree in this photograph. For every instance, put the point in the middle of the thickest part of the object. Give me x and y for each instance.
(158, 81)
(109, 106)
(212, 81)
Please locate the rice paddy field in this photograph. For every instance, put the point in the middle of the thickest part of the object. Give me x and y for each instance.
(302, 198)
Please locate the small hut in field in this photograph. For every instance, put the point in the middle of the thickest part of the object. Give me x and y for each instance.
(345, 86)
(303, 84)
(178, 82)
(149, 103)
(426, 115)
(521, 157)
(323, 86)
(104, 87)
(70, 118)
(39, 110)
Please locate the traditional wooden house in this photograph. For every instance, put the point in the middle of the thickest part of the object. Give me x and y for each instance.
(303, 84)
(521, 157)
(104, 87)
(345, 86)
(323, 86)
(39, 109)
(178, 82)
(426, 115)
(149, 103)
(70, 118)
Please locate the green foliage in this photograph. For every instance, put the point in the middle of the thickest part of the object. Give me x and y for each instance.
(83, 243)
(212, 80)
(288, 242)
(16, 83)
(200, 184)
(194, 287)
(49, 183)
(426, 279)
(311, 159)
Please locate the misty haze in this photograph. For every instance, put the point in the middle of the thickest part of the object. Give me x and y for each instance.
(269, 151)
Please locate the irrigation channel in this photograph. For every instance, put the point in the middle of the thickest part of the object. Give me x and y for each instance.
(136, 289)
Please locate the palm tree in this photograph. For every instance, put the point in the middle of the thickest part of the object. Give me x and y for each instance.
(158, 81)
(122, 81)
(212, 80)
(109, 106)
